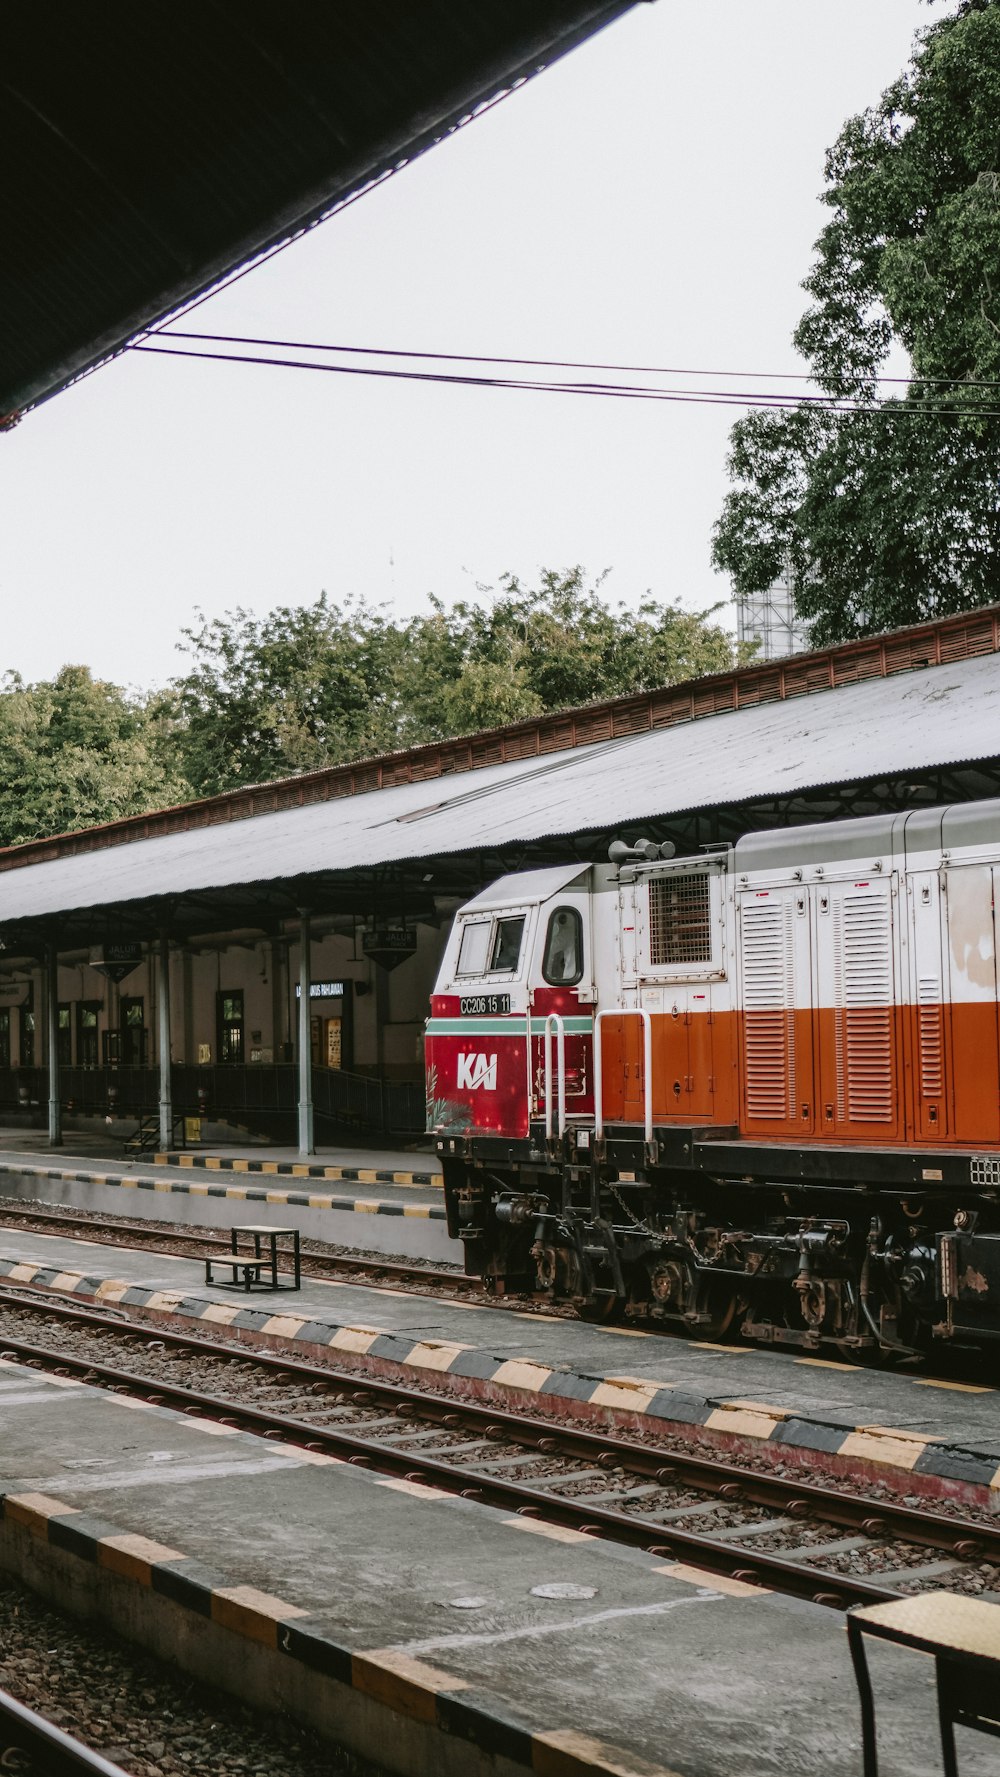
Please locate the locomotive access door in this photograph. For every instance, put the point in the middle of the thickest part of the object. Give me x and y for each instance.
(859, 1014)
(970, 892)
(778, 1020)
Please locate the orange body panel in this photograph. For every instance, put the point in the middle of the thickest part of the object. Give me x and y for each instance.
(876, 1075)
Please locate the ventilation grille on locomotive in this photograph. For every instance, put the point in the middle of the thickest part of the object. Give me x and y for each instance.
(680, 927)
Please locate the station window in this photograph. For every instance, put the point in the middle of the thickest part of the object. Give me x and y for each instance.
(680, 924)
(64, 1036)
(229, 1020)
(27, 1034)
(4, 1036)
(87, 1014)
(562, 964)
(133, 1031)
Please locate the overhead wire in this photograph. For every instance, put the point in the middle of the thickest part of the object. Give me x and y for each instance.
(155, 346)
(302, 345)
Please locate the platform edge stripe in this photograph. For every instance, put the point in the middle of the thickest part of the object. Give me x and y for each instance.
(79, 1533)
(404, 1684)
(133, 1557)
(33, 1511)
(485, 1721)
(187, 1582)
(888, 1448)
(313, 1647)
(252, 1614)
(564, 1752)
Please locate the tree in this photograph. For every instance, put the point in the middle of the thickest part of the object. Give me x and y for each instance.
(546, 648)
(303, 687)
(890, 513)
(320, 684)
(75, 751)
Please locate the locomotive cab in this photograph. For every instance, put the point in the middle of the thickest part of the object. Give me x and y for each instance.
(511, 1014)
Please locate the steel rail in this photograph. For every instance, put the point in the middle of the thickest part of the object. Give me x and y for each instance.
(57, 1754)
(965, 1539)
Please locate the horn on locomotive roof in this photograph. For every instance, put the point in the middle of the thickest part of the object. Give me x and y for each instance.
(644, 851)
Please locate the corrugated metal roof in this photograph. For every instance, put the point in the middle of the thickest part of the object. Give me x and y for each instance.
(919, 721)
(941, 642)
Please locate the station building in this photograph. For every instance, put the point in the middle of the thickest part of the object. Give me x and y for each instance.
(265, 958)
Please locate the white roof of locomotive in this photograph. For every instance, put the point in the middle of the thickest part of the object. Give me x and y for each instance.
(526, 888)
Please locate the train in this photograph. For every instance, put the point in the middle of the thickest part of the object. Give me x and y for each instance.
(753, 1091)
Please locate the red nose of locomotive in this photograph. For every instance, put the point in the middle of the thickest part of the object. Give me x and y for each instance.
(515, 957)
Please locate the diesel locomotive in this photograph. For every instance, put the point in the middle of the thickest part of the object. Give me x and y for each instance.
(752, 1090)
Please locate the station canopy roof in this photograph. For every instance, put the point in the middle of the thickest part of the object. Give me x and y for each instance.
(147, 151)
(917, 737)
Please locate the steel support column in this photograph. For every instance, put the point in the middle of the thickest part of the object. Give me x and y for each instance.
(163, 1040)
(52, 1023)
(306, 1142)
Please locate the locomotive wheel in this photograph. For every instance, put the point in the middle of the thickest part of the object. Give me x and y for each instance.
(718, 1303)
(601, 1306)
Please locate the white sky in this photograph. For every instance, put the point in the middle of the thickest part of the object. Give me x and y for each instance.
(650, 199)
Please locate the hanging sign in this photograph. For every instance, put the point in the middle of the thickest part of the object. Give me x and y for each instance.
(388, 945)
(116, 959)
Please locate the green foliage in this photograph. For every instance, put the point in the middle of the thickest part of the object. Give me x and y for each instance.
(319, 684)
(891, 514)
(75, 751)
(304, 686)
(551, 647)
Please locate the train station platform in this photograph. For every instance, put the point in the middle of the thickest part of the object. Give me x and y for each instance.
(431, 1634)
(917, 1432)
(375, 1201)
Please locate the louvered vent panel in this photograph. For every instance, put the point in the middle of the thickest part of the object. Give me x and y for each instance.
(865, 1082)
(930, 1033)
(768, 1019)
(680, 919)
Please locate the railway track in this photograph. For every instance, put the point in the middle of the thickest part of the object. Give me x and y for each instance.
(35, 1747)
(829, 1545)
(115, 1231)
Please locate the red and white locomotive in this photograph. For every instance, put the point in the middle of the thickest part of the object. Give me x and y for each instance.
(756, 1087)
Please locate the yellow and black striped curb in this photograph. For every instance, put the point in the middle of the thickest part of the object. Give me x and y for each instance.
(934, 1466)
(379, 1206)
(355, 1175)
(409, 1687)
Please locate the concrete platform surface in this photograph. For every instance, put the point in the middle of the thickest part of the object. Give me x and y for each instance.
(399, 1217)
(428, 1631)
(926, 1434)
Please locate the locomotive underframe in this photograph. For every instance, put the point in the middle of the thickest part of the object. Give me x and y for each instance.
(865, 1251)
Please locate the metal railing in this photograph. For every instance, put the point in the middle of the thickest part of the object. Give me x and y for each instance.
(215, 1089)
(554, 1023)
(647, 1066)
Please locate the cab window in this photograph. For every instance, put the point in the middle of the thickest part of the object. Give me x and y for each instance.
(562, 964)
(474, 948)
(506, 949)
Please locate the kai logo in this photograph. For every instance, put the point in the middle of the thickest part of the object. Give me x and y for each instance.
(476, 1071)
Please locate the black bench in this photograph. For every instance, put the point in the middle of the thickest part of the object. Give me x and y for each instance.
(252, 1265)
